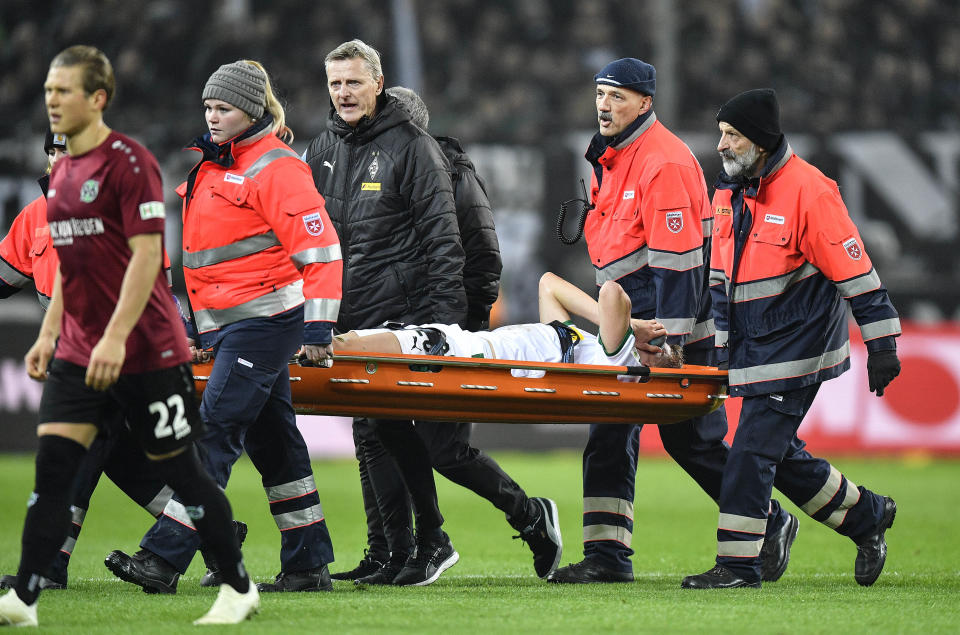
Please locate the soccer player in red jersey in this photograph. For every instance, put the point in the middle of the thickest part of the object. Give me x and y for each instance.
(112, 338)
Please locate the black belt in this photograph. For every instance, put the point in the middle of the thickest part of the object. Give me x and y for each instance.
(568, 339)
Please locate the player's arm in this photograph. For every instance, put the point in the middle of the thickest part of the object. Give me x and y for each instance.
(108, 355)
(40, 353)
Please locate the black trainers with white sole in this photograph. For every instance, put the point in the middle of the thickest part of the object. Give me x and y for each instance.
(543, 537)
(429, 560)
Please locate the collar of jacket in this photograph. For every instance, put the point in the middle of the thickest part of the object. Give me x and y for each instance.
(44, 182)
(600, 143)
(222, 153)
(750, 186)
(387, 115)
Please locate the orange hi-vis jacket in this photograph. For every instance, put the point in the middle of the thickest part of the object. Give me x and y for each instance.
(256, 238)
(650, 228)
(785, 257)
(26, 253)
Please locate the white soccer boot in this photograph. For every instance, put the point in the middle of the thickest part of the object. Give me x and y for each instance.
(14, 612)
(231, 606)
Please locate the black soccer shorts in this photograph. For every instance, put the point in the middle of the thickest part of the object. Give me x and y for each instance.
(160, 406)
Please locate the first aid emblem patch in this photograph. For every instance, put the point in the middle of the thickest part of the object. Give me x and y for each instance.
(675, 221)
(853, 249)
(313, 224)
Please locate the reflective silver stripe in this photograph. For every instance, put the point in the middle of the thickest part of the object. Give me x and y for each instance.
(607, 532)
(44, 301)
(678, 326)
(77, 514)
(858, 285)
(278, 301)
(299, 518)
(783, 370)
(675, 261)
(717, 276)
(850, 499)
(608, 505)
(321, 309)
(155, 507)
(702, 330)
(732, 522)
(68, 545)
(317, 254)
(721, 337)
(739, 548)
(175, 510)
(267, 158)
(880, 328)
(293, 489)
(13, 277)
(747, 291)
(707, 224)
(826, 493)
(232, 251)
(627, 264)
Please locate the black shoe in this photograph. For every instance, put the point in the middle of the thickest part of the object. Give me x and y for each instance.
(718, 577)
(369, 565)
(586, 572)
(429, 560)
(383, 576)
(775, 553)
(543, 537)
(212, 577)
(872, 550)
(312, 580)
(46, 584)
(145, 569)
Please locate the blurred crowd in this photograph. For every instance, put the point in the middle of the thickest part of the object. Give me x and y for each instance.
(505, 70)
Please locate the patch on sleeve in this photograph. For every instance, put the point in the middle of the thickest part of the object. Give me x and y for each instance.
(853, 249)
(675, 222)
(313, 224)
(151, 210)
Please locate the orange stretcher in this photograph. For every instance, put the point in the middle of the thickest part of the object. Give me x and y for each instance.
(465, 389)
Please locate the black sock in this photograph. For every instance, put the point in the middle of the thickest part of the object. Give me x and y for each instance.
(48, 512)
(210, 512)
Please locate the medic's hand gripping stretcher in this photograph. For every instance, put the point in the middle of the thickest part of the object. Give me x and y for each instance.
(436, 388)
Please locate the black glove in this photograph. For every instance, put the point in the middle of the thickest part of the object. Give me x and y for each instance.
(882, 367)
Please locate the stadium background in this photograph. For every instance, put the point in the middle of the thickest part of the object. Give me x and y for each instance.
(869, 90)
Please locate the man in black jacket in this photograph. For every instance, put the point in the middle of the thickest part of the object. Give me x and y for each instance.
(388, 192)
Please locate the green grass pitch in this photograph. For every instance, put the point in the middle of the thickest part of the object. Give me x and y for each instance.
(493, 587)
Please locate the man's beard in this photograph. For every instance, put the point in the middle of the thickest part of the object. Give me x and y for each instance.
(740, 164)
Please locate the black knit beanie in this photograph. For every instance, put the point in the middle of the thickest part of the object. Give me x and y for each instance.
(756, 114)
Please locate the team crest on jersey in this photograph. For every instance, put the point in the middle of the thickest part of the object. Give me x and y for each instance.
(675, 221)
(313, 223)
(373, 168)
(853, 249)
(89, 191)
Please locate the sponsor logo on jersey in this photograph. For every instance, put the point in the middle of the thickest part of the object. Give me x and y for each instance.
(853, 249)
(675, 222)
(64, 231)
(773, 218)
(313, 223)
(152, 209)
(51, 193)
(89, 191)
(369, 187)
(628, 195)
(723, 211)
(232, 178)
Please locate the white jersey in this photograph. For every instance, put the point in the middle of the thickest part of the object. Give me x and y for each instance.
(523, 342)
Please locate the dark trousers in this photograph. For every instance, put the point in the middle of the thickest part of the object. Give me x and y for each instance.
(766, 452)
(610, 467)
(388, 484)
(247, 406)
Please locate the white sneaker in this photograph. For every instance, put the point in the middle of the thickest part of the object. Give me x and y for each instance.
(13, 611)
(231, 606)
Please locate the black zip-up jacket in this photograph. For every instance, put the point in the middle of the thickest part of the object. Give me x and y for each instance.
(388, 193)
(482, 267)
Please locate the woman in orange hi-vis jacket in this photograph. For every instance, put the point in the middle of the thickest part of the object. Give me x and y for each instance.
(263, 271)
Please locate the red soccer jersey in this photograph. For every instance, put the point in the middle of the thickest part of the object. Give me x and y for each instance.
(95, 203)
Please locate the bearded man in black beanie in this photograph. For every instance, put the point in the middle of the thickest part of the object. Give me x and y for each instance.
(785, 256)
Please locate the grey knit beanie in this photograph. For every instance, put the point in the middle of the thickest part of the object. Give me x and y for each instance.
(239, 84)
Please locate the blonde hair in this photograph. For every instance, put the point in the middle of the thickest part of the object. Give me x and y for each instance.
(97, 70)
(273, 106)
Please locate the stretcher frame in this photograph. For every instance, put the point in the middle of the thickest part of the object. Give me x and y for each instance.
(437, 388)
